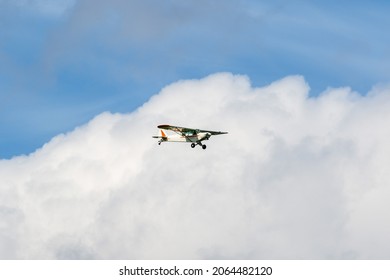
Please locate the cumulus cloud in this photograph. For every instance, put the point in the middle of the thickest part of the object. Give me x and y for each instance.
(296, 177)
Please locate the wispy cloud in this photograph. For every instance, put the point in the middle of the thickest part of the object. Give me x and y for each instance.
(42, 7)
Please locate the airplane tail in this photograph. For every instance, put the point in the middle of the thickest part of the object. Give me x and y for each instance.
(162, 135)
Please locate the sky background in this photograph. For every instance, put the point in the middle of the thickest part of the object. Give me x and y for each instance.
(65, 61)
(302, 88)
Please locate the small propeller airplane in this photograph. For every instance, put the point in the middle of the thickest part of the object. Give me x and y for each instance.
(193, 135)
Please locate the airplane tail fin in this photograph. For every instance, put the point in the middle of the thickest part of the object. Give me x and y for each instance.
(162, 135)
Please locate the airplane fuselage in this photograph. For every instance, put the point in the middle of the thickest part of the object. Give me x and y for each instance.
(188, 138)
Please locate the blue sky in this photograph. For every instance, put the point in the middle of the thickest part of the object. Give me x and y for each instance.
(63, 62)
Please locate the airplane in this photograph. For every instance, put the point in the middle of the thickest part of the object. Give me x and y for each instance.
(185, 134)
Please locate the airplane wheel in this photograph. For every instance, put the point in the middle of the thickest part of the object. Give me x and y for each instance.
(159, 143)
(193, 145)
(204, 147)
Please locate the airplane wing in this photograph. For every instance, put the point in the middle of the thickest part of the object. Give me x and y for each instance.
(178, 129)
(184, 130)
(213, 132)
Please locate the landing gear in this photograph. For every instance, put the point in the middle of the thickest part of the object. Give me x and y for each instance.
(193, 145)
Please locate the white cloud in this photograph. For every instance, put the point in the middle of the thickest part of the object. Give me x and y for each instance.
(296, 177)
